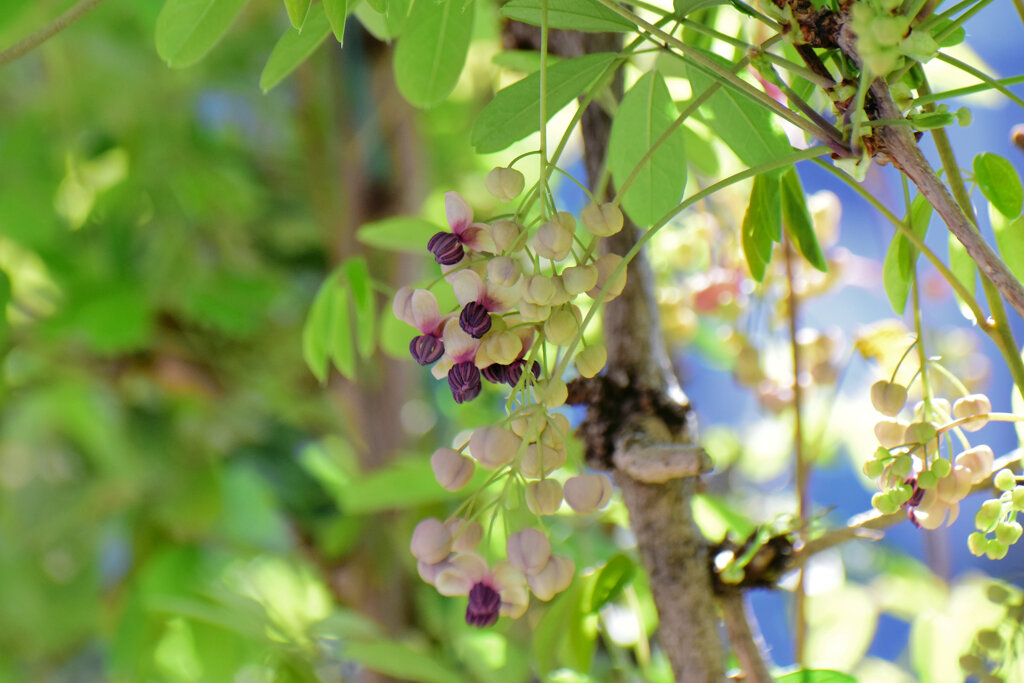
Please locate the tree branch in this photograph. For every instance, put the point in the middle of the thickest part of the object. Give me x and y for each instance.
(26, 45)
(747, 643)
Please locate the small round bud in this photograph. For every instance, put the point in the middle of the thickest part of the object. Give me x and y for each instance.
(505, 183)
(501, 348)
(505, 234)
(538, 290)
(494, 447)
(978, 461)
(578, 279)
(919, 432)
(927, 480)
(1008, 533)
(890, 433)
(606, 265)
(528, 550)
(554, 578)
(543, 497)
(532, 313)
(976, 543)
(553, 240)
(901, 465)
(591, 360)
(466, 535)
(529, 427)
(989, 639)
(964, 116)
(451, 469)
(941, 467)
(587, 492)
(888, 398)
(503, 271)
(563, 326)
(969, 406)
(884, 503)
(551, 393)
(1005, 480)
(602, 220)
(1018, 497)
(540, 460)
(988, 513)
(997, 594)
(431, 541)
(994, 550)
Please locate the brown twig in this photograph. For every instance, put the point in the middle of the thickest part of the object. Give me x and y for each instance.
(747, 643)
(26, 45)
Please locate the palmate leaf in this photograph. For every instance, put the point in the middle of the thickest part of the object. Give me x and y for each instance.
(432, 50)
(188, 29)
(645, 113)
(514, 112)
(295, 47)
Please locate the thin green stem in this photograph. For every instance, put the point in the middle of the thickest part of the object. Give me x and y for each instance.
(968, 90)
(543, 180)
(26, 45)
(981, 76)
(922, 359)
(960, 20)
(947, 274)
(953, 379)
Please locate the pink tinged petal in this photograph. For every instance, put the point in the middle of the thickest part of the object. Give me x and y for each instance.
(458, 212)
(528, 550)
(459, 346)
(494, 447)
(506, 576)
(466, 535)
(451, 582)
(451, 469)
(514, 602)
(425, 313)
(428, 572)
(478, 238)
(402, 306)
(431, 541)
(467, 285)
(441, 368)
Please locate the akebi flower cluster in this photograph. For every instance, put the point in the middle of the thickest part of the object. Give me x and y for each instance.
(927, 466)
(519, 288)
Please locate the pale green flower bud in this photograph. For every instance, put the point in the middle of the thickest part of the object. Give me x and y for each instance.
(578, 279)
(563, 325)
(532, 313)
(493, 447)
(503, 271)
(554, 578)
(528, 551)
(1008, 533)
(591, 360)
(501, 348)
(540, 460)
(466, 535)
(505, 183)
(606, 265)
(978, 461)
(587, 492)
(1005, 480)
(551, 393)
(505, 234)
(969, 406)
(552, 240)
(888, 397)
(603, 220)
(890, 433)
(431, 541)
(543, 497)
(451, 469)
(538, 290)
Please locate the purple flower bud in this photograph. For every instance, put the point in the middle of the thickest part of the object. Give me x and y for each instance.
(475, 320)
(484, 605)
(426, 349)
(464, 380)
(515, 370)
(495, 373)
(446, 248)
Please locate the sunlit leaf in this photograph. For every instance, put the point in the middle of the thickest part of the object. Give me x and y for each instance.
(999, 182)
(898, 267)
(798, 220)
(762, 223)
(644, 114)
(1010, 239)
(578, 15)
(297, 10)
(616, 574)
(337, 13)
(514, 112)
(357, 276)
(816, 676)
(188, 29)
(716, 518)
(432, 51)
(400, 233)
(295, 47)
(402, 661)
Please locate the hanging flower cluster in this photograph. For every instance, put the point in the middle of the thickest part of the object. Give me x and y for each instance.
(516, 325)
(919, 469)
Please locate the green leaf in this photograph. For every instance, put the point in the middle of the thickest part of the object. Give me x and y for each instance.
(816, 676)
(551, 631)
(326, 335)
(337, 13)
(432, 51)
(644, 114)
(1010, 239)
(402, 661)
(579, 15)
(187, 29)
(617, 573)
(514, 112)
(358, 276)
(297, 10)
(716, 518)
(998, 181)
(798, 220)
(295, 47)
(898, 268)
(398, 234)
(965, 270)
(745, 126)
(684, 7)
(762, 223)
(523, 61)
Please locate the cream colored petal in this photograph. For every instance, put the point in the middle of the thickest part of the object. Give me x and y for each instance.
(467, 285)
(458, 212)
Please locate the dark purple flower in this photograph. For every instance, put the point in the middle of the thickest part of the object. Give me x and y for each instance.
(484, 605)
(475, 320)
(446, 248)
(464, 380)
(426, 348)
(515, 370)
(495, 373)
